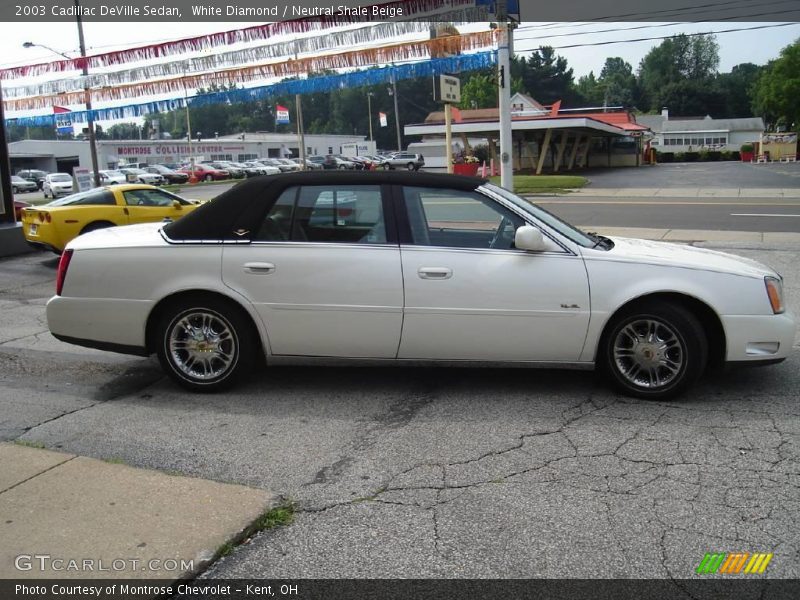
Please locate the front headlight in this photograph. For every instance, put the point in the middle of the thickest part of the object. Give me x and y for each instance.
(775, 294)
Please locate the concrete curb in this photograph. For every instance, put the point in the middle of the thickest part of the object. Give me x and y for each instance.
(113, 520)
(697, 235)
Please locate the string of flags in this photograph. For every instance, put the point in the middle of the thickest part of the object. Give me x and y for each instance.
(367, 77)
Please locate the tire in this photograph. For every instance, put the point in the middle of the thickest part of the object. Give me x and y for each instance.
(44, 193)
(411, 167)
(654, 351)
(96, 225)
(209, 178)
(225, 351)
(14, 189)
(342, 166)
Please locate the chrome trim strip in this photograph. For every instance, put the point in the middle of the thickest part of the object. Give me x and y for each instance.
(333, 307)
(286, 359)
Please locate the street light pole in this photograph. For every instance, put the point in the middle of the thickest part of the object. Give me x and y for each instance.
(393, 92)
(88, 96)
(369, 109)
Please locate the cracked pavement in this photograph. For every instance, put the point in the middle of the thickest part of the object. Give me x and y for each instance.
(437, 473)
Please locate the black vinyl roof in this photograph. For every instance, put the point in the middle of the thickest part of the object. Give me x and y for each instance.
(214, 220)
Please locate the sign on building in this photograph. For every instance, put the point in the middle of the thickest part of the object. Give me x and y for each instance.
(382, 119)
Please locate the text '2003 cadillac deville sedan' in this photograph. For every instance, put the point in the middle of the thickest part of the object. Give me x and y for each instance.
(410, 267)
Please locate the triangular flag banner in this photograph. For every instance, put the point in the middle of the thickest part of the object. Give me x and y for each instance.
(281, 115)
(382, 118)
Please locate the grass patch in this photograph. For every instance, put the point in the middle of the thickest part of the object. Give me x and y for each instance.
(28, 444)
(544, 183)
(275, 517)
(225, 549)
(114, 461)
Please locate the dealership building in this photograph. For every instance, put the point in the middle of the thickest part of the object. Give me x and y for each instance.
(63, 155)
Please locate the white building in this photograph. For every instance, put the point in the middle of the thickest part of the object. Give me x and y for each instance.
(693, 134)
(64, 155)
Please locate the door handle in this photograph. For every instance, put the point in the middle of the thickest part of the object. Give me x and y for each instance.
(435, 273)
(262, 268)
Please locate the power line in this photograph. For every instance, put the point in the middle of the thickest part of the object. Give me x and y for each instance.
(665, 37)
(676, 12)
(617, 29)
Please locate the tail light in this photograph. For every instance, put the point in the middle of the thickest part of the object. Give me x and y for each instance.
(61, 274)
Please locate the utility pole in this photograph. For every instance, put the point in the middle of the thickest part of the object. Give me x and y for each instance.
(88, 95)
(396, 115)
(369, 109)
(301, 134)
(504, 80)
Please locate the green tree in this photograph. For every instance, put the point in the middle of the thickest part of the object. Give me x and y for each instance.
(777, 91)
(738, 87)
(678, 59)
(546, 77)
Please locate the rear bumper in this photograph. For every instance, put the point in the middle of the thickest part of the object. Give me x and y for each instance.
(759, 338)
(104, 323)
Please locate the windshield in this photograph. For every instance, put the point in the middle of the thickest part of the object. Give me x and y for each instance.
(60, 178)
(112, 173)
(562, 227)
(134, 171)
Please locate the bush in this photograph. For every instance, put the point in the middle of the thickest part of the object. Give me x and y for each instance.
(665, 157)
(714, 155)
(726, 155)
(702, 155)
(481, 152)
(691, 156)
(680, 156)
(746, 148)
(735, 156)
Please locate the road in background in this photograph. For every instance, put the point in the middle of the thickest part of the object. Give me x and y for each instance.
(731, 214)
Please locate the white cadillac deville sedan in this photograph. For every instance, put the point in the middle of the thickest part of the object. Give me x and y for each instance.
(410, 267)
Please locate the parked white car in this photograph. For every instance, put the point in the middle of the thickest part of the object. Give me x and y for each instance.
(411, 267)
(112, 177)
(143, 176)
(57, 184)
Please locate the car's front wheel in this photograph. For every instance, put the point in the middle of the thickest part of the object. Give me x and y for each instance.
(411, 167)
(206, 344)
(655, 350)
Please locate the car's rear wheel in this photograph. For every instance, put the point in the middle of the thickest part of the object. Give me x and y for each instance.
(209, 177)
(411, 166)
(655, 350)
(96, 225)
(206, 344)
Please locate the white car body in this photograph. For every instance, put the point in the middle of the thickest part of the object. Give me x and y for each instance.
(143, 176)
(112, 177)
(409, 302)
(57, 184)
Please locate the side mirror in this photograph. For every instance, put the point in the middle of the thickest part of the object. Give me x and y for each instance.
(177, 205)
(530, 238)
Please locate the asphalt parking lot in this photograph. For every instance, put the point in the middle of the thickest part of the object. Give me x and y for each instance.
(421, 472)
(725, 174)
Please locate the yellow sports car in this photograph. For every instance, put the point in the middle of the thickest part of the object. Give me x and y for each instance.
(52, 226)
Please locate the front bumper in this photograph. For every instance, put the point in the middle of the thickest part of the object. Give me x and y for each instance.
(759, 338)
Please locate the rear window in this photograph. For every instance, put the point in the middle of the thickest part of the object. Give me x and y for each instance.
(91, 197)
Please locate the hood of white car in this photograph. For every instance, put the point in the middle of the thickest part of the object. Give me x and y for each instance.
(682, 255)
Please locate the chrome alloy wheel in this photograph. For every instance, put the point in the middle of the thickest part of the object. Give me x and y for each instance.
(202, 345)
(649, 353)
